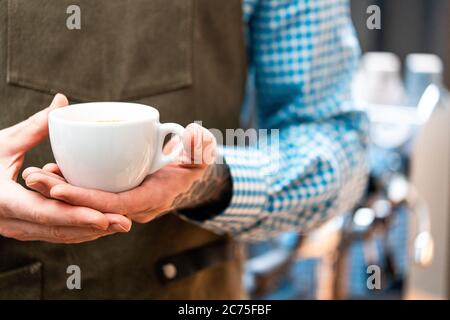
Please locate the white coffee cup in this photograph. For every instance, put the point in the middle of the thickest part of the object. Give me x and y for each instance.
(110, 146)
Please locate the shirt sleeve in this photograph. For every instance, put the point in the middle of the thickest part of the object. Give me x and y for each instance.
(313, 165)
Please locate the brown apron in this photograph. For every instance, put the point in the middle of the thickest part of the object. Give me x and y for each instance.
(184, 57)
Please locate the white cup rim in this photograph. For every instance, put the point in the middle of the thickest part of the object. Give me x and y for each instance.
(146, 114)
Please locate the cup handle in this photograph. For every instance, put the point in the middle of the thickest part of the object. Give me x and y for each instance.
(161, 159)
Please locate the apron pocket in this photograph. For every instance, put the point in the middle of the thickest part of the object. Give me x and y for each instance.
(124, 49)
(23, 283)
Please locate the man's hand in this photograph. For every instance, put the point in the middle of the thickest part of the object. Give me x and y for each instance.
(27, 215)
(193, 180)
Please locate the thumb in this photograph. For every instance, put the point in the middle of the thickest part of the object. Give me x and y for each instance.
(200, 146)
(29, 133)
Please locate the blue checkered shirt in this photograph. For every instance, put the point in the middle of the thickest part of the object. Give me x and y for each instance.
(302, 54)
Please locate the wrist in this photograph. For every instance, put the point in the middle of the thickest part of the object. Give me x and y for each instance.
(212, 194)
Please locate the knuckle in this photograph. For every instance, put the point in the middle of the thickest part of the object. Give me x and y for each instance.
(95, 232)
(58, 233)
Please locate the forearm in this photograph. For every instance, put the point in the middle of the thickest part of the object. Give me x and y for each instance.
(319, 171)
(322, 175)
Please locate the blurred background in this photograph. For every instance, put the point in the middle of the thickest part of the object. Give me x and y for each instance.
(396, 243)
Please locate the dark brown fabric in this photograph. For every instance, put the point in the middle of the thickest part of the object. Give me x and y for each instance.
(184, 57)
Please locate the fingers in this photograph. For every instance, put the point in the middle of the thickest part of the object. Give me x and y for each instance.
(32, 131)
(29, 231)
(50, 168)
(53, 168)
(100, 200)
(29, 172)
(22, 204)
(118, 223)
(51, 186)
(54, 186)
(200, 146)
(42, 181)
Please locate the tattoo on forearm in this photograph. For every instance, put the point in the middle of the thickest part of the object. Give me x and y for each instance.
(208, 196)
